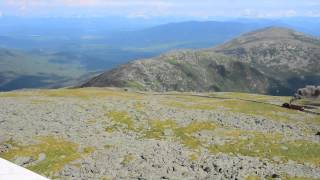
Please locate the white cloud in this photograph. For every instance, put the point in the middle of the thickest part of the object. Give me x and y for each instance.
(313, 13)
(88, 7)
(151, 8)
(138, 15)
(87, 3)
(268, 14)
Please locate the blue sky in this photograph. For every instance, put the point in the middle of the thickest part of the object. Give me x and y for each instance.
(162, 8)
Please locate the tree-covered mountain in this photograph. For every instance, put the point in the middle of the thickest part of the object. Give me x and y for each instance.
(190, 34)
(271, 60)
(20, 69)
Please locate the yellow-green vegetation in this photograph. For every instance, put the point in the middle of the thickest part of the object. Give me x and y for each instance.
(58, 153)
(310, 102)
(236, 106)
(266, 110)
(316, 119)
(253, 178)
(284, 177)
(105, 178)
(247, 143)
(298, 178)
(139, 106)
(89, 93)
(197, 126)
(127, 159)
(270, 145)
(134, 84)
(189, 102)
(91, 121)
(85, 93)
(287, 177)
(121, 119)
(156, 129)
(110, 129)
(194, 157)
(108, 146)
(88, 150)
(256, 97)
(184, 134)
(189, 106)
(315, 104)
(39, 101)
(16, 94)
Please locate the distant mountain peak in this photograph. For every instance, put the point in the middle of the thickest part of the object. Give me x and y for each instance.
(273, 32)
(272, 60)
(270, 35)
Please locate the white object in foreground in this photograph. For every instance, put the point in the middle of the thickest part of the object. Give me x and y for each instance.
(10, 171)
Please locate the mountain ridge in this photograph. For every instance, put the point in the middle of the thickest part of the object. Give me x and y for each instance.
(264, 64)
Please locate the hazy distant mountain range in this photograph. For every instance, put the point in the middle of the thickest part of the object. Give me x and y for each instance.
(272, 60)
(33, 70)
(56, 52)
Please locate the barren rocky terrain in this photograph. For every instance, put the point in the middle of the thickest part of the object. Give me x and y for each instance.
(117, 134)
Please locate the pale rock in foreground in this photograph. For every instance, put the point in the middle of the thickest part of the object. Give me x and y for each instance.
(10, 171)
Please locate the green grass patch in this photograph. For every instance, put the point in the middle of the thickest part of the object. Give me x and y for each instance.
(253, 178)
(40, 101)
(58, 153)
(89, 93)
(270, 145)
(259, 109)
(298, 178)
(193, 157)
(173, 61)
(134, 84)
(122, 120)
(160, 129)
(316, 120)
(270, 111)
(91, 121)
(127, 159)
(256, 97)
(156, 128)
(108, 146)
(287, 177)
(16, 94)
(182, 134)
(189, 106)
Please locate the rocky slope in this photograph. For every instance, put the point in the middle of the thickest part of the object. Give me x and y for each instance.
(288, 56)
(272, 60)
(113, 134)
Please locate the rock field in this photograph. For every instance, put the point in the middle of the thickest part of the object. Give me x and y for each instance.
(111, 133)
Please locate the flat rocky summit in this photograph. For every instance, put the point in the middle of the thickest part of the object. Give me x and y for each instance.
(114, 134)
